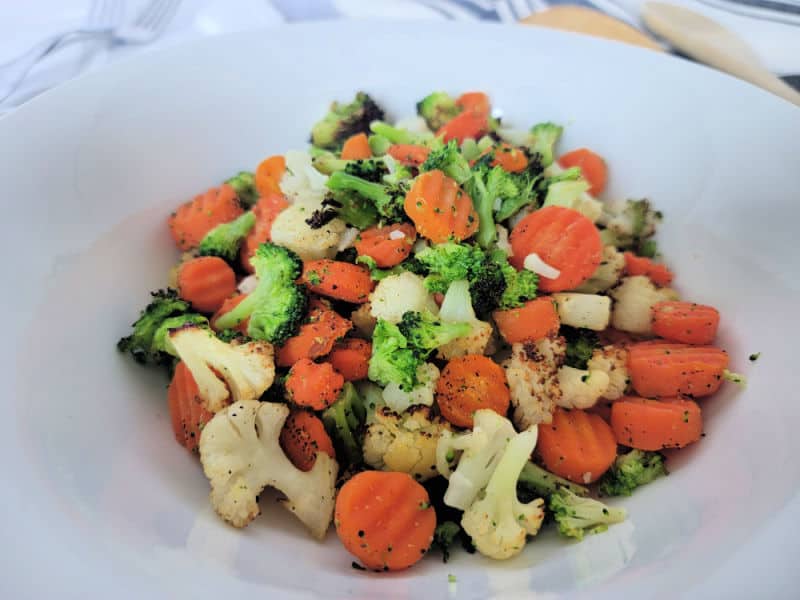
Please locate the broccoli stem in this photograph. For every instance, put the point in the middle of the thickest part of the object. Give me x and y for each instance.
(535, 479)
(341, 181)
(482, 202)
(393, 134)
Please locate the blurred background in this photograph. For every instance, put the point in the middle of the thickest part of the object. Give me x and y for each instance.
(45, 42)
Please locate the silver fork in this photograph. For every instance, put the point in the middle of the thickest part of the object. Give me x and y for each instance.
(145, 27)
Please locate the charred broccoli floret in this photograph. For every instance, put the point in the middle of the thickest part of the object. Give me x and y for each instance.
(387, 198)
(437, 109)
(345, 120)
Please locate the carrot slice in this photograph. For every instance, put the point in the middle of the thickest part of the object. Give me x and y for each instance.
(641, 265)
(440, 209)
(266, 210)
(534, 320)
(315, 338)
(338, 279)
(384, 519)
(663, 370)
(315, 385)
(563, 238)
(186, 410)
(685, 322)
(467, 124)
(388, 245)
(350, 357)
(577, 445)
(411, 155)
(656, 424)
(268, 175)
(302, 437)
(475, 102)
(194, 219)
(508, 157)
(356, 147)
(592, 166)
(469, 383)
(206, 282)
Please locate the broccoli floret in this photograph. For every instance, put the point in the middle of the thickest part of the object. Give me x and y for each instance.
(487, 186)
(437, 109)
(376, 273)
(387, 198)
(233, 335)
(342, 420)
(426, 333)
(277, 305)
(576, 515)
(544, 137)
(161, 341)
(164, 305)
(244, 184)
(630, 226)
(629, 471)
(450, 161)
(369, 169)
(352, 208)
(392, 357)
(518, 286)
(487, 274)
(580, 345)
(541, 483)
(345, 120)
(531, 185)
(226, 238)
(444, 536)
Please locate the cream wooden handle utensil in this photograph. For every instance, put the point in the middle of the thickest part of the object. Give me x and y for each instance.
(709, 42)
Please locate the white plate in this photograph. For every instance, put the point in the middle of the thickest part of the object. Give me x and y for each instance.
(99, 501)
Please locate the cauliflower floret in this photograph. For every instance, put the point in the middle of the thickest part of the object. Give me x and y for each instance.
(634, 300)
(611, 360)
(302, 182)
(399, 400)
(241, 455)
(457, 308)
(363, 320)
(248, 369)
(612, 264)
(498, 522)
(404, 442)
(532, 374)
(580, 388)
(480, 451)
(291, 231)
(397, 294)
(588, 311)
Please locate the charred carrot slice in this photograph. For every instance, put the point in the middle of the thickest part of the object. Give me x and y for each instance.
(338, 279)
(508, 157)
(193, 220)
(468, 124)
(186, 410)
(656, 424)
(685, 322)
(356, 147)
(384, 519)
(440, 209)
(302, 437)
(664, 370)
(315, 338)
(469, 383)
(563, 238)
(313, 385)
(266, 210)
(350, 357)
